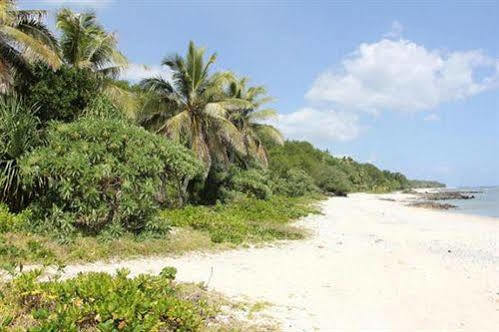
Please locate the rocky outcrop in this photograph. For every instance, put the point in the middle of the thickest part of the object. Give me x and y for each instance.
(446, 195)
(433, 205)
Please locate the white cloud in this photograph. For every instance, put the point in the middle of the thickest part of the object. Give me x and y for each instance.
(432, 117)
(402, 75)
(319, 125)
(137, 72)
(396, 30)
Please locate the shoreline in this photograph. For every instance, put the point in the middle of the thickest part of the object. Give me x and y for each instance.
(366, 263)
(408, 199)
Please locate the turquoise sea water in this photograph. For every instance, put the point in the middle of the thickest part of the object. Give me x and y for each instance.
(486, 202)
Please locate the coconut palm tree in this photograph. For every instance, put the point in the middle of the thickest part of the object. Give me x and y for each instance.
(194, 106)
(86, 44)
(248, 120)
(24, 39)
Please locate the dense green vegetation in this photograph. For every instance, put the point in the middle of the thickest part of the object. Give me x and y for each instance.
(98, 173)
(242, 221)
(330, 174)
(426, 184)
(93, 168)
(60, 95)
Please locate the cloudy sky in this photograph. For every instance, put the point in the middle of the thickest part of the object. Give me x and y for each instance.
(412, 88)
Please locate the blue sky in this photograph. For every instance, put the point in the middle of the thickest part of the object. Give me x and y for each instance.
(410, 87)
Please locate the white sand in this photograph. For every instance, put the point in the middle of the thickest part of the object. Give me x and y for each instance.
(371, 265)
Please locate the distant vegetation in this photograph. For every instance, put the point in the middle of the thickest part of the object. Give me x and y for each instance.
(426, 184)
(331, 174)
(95, 167)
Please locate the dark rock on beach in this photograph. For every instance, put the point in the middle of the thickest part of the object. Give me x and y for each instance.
(338, 194)
(433, 205)
(446, 195)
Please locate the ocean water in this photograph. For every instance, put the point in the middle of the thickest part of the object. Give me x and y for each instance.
(485, 203)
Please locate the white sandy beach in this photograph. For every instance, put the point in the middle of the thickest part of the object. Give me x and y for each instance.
(371, 265)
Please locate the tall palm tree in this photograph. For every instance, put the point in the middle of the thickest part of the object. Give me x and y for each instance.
(248, 120)
(86, 44)
(23, 39)
(194, 106)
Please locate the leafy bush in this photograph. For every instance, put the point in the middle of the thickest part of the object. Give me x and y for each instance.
(252, 183)
(99, 301)
(10, 222)
(18, 136)
(334, 181)
(102, 108)
(63, 94)
(245, 220)
(105, 173)
(294, 183)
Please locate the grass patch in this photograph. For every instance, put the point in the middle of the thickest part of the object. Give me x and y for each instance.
(193, 228)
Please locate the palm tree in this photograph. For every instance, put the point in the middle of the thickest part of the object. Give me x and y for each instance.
(194, 106)
(24, 39)
(85, 43)
(248, 120)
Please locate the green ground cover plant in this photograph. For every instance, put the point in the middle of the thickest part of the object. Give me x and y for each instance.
(242, 221)
(245, 220)
(102, 302)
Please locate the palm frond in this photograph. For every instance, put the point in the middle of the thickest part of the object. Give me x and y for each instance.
(177, 126)
(124, 100)
(269, 132)
(264, 114)
(32, 47)
(40, 32)
(13, 62)
(215, 110)
(229, 133)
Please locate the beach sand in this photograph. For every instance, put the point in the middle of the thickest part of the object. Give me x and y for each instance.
(369, 265)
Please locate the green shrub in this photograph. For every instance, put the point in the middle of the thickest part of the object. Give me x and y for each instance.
(10, 222)
(252, 183)
(335, 181)
(18, 136)
(294, 183)
(102, 173)
(102, 108)
(101, 302)
(244, 220)
(62, 94)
